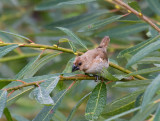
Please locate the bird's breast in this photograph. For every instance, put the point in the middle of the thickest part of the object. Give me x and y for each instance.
(96, 66)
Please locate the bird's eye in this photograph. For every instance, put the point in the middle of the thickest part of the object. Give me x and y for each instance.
(80, 64)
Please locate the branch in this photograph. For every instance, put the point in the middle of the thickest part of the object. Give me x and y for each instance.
(40, 46)
(24, 85)
(138, 14)
(62, 78)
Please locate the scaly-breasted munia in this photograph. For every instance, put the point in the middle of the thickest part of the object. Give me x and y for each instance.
(93, 61)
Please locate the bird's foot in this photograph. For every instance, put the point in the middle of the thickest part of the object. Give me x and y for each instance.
(97, 78)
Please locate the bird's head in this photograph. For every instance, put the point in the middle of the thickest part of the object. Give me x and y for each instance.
(77, 64)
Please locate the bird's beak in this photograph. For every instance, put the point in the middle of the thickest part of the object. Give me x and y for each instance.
(75, 68)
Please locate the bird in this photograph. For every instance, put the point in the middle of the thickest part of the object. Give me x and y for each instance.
(93, 61)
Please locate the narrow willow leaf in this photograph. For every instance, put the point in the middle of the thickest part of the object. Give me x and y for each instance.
(59, 3)
(5, 37)
(19, 118)
(131, 21)
(124, 31)
(149, 60)
(137, 47)
(96, 102)
(145, 71)
(8, 114)
(121, 105)
(42, 96)
(150, 91)
(142, 115)
(38, 64)
(23, 71)
(59, 116)
(157, 114)
(50, 84)
(135, 6)
(68, 68)
(3, 100)
(100, 23)
(154, 5)
(72, 35)
(105, 74)
(136, 83)
(153, 32)
(6, 49)
(77, 21)
(70, 43)
(3, 84)
(18, 94)
(48, 111)
(76, 106)
(123, 114)
(17, 35)
(143, 52)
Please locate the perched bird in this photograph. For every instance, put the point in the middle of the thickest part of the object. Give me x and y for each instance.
(93, 61)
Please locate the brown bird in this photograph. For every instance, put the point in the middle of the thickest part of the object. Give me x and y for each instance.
(93, 61)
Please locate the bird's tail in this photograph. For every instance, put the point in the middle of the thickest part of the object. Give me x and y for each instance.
(104, 43)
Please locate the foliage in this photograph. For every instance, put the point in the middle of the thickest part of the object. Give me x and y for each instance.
(38, 43)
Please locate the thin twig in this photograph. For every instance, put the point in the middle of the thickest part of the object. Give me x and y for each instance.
(138, 14)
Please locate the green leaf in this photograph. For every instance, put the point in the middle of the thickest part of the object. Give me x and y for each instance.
(18, 94)
(149, 60)
(150, 91)
(59, 3)
(136, 83)
(5, 37)
(70, 43)
(38, 63)
(68, 68)
(8, 114)
(72, 35)
(3, 100)
(23, 71)
(48, 111)
(77, 105)
(121, 105)
(59, 116)
(145, 71)
(157, 114)
(123, 114)
(143, 52)
(137, 47)
(77, 21)
(124, 31)
(100, 23)
(96, 102)
(50, 84)
(6, 49)
(42, 96)
(105, 74)
(3, 84)
(19, 118)
(154, 5)
(142, 115)
(152, 32)
(135, 6)
(17, 35)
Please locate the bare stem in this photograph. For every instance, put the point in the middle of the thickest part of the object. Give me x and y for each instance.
(138, 14)
(25, 85)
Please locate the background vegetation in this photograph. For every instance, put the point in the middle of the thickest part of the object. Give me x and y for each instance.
(39, 40)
